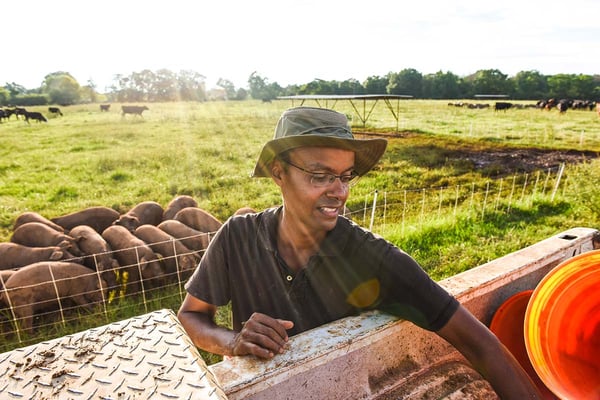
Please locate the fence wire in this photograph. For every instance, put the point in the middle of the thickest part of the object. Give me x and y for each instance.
(52, 305)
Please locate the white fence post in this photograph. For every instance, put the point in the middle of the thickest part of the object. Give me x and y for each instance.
(373, 211)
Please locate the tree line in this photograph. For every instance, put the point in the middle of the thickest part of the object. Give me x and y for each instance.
(164, 85)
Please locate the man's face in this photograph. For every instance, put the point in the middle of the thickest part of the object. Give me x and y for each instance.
(312, 207)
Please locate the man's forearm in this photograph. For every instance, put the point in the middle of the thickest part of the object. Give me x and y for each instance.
(207, 335)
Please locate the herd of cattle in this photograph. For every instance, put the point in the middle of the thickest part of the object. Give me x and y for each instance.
(18, 112)
(562, 105)
(83, 257)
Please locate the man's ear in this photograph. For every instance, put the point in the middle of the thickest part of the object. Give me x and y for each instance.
(276, 171)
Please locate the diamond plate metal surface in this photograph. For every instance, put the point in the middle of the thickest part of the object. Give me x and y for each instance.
(145, 357)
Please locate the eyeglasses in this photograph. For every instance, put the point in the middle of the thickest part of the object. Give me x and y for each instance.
(322, 179)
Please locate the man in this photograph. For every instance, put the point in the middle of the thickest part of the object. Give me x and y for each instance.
(292, 268)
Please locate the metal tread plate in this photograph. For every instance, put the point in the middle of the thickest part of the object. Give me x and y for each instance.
(145, 357)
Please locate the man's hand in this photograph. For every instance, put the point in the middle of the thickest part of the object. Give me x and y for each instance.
(261, 336)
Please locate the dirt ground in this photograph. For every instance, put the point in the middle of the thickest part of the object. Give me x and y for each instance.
(525, 160)
(507, 160)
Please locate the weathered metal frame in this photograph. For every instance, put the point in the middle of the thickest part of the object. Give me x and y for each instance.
(353, 99)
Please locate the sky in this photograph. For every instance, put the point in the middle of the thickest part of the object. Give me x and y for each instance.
(293, 41)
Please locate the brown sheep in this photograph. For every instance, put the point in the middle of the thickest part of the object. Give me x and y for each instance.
(178, 203)
(97, 253)
(31, 216)
(136, 258)
(198, 219)
(191, 238)
(146, 212)
(14, 255)
(36, 234)
(47, 285)
(179, 261)
(98, 218)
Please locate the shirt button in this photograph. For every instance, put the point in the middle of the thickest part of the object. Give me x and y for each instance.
(289, 278)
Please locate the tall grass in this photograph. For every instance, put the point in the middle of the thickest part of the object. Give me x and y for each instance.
(207, 150)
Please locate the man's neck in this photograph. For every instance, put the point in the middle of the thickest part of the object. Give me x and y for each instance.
(296, 244)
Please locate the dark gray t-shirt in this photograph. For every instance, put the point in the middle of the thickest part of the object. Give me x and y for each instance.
(353, 271)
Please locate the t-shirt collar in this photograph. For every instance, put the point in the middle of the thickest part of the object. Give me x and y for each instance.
(267, 233)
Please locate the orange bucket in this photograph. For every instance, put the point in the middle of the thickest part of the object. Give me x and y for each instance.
(507, 325)
(562, 328)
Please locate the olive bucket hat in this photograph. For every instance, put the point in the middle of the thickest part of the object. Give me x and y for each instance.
(319, 127)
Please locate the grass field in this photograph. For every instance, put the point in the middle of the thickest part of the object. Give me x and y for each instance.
(207, 150)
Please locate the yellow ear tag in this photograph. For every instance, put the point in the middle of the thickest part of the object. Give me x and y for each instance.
(365, 294)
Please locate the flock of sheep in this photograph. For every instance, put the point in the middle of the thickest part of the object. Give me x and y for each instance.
(79, 258)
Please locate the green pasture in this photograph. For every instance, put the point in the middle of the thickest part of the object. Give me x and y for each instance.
(207, 150)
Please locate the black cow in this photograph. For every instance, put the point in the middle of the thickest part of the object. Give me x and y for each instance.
(104, 107)
(20, 111)
(135, 110)
(55, 110)
(34, 115)
(563, 105)
(500, 105)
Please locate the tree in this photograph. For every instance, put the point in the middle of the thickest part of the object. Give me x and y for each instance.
(560, 86)
(241, 94)
(61, 88)
(15, 89)
(408, 81)
(376, 84)
(228, 86)
(88, 92)
(490, 81)
(4, 96)
(257, 85)
(191, 86)
(530, 85)
(350, 87)
(260, 88)
(441, 85)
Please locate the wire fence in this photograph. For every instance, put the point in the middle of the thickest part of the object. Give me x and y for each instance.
(412, 208)
(54, 303)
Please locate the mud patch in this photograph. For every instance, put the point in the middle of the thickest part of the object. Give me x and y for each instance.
(524, 160)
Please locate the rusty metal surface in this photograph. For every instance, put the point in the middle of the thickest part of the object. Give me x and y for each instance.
(145, 357)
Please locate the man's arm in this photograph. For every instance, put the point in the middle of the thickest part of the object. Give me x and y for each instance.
(261, 335)
(488, 356)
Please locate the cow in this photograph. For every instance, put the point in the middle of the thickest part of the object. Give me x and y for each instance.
(20, 111)
(562, 106)
(104, 107)
(55, 110)
(135, 110)
(7, 112)
(501, 105)
(3, 115)
(35, 115)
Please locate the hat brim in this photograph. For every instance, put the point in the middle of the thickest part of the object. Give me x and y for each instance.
(367, 152)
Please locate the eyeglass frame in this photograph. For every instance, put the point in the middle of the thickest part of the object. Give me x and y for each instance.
(353, 176)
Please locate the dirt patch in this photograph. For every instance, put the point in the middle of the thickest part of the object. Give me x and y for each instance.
(504, 160)
(524, 160)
